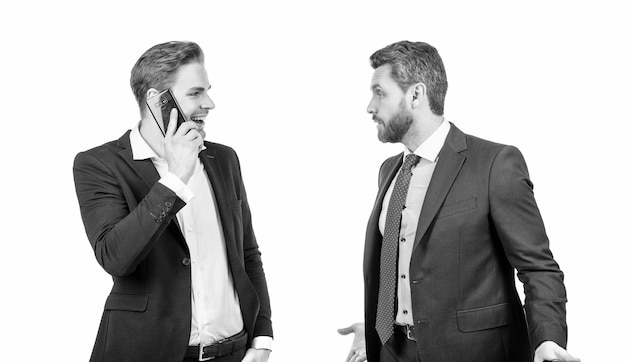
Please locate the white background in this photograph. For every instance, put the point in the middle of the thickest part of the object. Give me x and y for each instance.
(290, 81)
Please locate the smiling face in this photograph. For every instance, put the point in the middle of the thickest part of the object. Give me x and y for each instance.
(388, 106)
(190, 87)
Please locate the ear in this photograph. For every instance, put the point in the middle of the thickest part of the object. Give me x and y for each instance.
(151, 93)
(418, 94)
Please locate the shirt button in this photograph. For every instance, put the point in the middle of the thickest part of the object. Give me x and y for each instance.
(402, 240)
(405, 312)
(403, 276)
(186, 261)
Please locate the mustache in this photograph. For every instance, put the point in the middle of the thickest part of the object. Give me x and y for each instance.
(375, 118)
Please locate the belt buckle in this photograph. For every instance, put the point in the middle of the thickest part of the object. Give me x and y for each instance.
(201, 353)
(410, 333)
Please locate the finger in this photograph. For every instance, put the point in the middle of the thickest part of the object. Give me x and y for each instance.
(191, 135)
(171, 127)
(544, 357)
(358, 357)
(563, 355)
(346, 330)
(185, 127)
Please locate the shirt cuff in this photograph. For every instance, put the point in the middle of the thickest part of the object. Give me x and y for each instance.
(175, 184)
(262, 342)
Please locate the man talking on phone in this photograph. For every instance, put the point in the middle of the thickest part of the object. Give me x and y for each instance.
(168, 218)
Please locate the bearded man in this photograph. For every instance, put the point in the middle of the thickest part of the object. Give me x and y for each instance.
(454, 217)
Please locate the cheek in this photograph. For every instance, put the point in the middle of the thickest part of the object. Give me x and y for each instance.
(385, 111)
(188, 106)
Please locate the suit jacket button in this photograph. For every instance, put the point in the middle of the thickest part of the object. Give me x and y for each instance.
(186, 261)
(168, 204)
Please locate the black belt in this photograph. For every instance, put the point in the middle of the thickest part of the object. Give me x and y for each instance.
(407, 330)
(220, 348)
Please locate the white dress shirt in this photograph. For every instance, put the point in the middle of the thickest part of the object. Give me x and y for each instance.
(420, 178)
(215, 309)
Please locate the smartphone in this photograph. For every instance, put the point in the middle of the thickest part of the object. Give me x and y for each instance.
(161, 106)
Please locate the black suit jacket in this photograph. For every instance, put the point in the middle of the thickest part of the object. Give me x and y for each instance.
(130, 221)
(478, 223)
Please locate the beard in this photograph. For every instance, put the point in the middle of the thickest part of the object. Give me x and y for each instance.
(397, 126)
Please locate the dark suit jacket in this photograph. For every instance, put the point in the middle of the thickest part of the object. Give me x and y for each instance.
(479, 221)
(130, 222)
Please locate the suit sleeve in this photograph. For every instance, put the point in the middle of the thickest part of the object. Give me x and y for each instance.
(521, 230)
(121, 238)
(254, 267)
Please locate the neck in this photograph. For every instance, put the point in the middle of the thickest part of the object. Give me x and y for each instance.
(423, 127)
(152, 134)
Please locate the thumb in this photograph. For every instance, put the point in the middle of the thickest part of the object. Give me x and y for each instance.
(563, 355)
(345, 331)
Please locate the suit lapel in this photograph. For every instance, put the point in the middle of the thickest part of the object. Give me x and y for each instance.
(446, 171)
(215, 169)
(212, 163)
(387, 177)
(374, 238)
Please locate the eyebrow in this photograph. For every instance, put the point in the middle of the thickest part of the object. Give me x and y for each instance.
(199, 89)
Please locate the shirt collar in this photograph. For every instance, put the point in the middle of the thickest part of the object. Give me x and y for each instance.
(139, 146)
(429, 149)
(141, 149)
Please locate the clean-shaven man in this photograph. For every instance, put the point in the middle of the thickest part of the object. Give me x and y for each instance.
(168, 219)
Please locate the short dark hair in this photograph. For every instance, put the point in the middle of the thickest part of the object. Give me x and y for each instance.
(415, 62)
(157, 66)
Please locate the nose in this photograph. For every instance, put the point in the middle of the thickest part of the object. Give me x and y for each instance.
(207, 103)
(370, 107)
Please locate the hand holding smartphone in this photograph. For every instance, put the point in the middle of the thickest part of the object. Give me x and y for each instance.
(161, 106)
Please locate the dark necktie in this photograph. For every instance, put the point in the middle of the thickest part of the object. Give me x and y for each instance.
(389, 252)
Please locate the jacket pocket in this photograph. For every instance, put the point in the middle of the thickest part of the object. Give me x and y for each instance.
(458, 207)
(127, 302)
(478, 319)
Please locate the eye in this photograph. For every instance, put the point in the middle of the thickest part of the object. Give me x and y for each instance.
(194, 94)
(379, 94)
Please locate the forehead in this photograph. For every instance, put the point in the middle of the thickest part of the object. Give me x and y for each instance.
(382, 78)
(191, 75)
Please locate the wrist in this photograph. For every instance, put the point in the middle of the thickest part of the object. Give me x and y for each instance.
(262, 343)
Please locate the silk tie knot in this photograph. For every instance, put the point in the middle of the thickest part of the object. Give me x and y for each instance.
(410, 160)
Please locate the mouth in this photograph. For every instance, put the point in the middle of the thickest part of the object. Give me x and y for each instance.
(198, 118)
